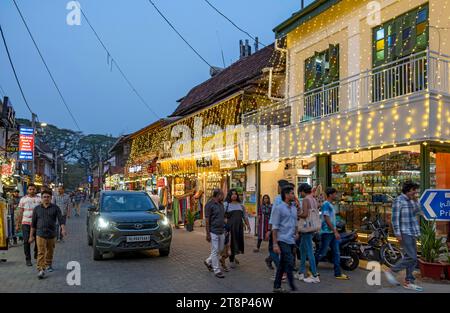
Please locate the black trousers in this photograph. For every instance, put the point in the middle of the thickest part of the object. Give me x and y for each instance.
(286, 265)
(26, 230)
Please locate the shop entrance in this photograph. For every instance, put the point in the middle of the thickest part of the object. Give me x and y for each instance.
(440, 177)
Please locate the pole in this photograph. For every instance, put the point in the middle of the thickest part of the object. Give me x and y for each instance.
(56, 167)
(33, 169)
(62, 172)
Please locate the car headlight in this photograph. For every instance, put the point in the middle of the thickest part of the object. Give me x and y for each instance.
(164, 221)
(102, 223)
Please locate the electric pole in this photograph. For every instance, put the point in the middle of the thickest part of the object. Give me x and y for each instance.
(33, 125)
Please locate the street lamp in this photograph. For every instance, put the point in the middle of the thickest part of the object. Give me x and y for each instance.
(43, 124)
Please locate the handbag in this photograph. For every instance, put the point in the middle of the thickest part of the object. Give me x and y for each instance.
(312, 223)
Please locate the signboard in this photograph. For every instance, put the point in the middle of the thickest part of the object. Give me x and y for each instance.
(90, 179)
(435, 204)
(135, 169)
(26, 144)
(13, 144)
(204, 162)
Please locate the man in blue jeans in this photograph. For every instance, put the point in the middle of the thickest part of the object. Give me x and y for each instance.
(329, 235)
(284, 231)
(406, 228)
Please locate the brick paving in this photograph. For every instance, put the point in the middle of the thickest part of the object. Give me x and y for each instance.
(182, 271)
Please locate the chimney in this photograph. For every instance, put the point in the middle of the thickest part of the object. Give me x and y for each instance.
(214, 70)
(256, 44)
(245, 49)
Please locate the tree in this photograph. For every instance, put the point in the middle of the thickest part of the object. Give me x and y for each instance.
(92, 149)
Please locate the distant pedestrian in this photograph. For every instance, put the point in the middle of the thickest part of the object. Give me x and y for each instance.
(264, 211)
(329, 234)
(284, 232)
(13, 204)
(61, 200)
(236, 215)
(26, 206)
(215, 232)
(78, 198)
(406, 228)
(155, 198)
(309, 224)
(43, 230)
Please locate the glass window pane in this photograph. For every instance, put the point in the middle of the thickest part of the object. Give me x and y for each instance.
(421, 28)
(380, 45)
(380, 55)
(391, 40)
(422, 16)
(380, 34)
(406, 33)
(422, 41)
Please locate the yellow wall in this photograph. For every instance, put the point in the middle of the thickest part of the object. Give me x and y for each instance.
(347, 24)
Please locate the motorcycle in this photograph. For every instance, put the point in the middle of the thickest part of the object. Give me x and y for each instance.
(378, 247)
(347, 245)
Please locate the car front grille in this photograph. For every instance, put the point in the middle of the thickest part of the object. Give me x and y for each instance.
(137, 226)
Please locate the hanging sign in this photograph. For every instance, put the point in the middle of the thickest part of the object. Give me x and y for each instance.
(26, 144)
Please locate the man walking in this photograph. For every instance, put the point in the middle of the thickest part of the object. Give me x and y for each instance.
(215, 231)
(78, 199)
(13, 204)
(26, 206)
(406, 228)
(155, 198)
(62, 201)
(43, 230)
(330, 236)
(284, 230)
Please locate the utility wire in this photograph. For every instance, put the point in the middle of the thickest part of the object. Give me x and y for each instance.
(233, 23)
(14, 70)
(178, 33)
(47, 68)
(113, 61)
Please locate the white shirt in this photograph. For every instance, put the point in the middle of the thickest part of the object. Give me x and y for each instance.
(156, 200)
(28, 204)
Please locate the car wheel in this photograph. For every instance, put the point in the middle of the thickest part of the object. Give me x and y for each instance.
(164, 252)
(97, 254)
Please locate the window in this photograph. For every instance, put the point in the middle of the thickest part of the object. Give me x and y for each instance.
(322, 68)
(400, 37)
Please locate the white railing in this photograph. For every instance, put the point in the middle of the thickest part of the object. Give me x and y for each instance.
(424, 71)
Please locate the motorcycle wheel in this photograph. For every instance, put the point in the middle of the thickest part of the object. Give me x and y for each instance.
(390, 257)
(352, 263)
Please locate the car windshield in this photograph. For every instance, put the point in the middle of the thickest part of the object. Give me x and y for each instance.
(127, 202)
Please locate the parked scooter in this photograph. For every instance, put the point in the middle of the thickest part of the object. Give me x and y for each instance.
(378, 247)
(347, 245)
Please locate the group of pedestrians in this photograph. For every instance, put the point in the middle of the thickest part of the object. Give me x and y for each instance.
(40, 221)
(225, 226)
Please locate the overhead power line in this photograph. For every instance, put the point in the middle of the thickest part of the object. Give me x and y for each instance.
(47, 68)
(114, 61)
(178, 33)
(14, 70)
(233, 23)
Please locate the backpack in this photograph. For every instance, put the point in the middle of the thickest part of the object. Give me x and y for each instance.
(312, 223)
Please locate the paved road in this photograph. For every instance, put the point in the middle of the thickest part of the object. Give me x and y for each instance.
(183, 271)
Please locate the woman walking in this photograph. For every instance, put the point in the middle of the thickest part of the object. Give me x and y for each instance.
(235, 213)
(263, 221)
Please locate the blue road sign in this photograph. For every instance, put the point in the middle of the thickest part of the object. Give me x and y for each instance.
(435, 204)
(89, 179)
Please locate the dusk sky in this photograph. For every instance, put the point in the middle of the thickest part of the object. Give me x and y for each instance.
(159, 64)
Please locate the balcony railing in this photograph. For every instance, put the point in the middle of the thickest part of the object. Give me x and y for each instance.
(425, 71)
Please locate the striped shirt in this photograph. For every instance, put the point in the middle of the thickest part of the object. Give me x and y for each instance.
(27, 204)
(44, 220)
(62, 201)
(404, 216)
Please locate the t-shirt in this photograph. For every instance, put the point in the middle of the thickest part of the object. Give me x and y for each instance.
(28, 203)
(215, 213)
(328, 210)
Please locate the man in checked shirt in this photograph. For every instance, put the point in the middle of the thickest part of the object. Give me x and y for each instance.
(405, 224)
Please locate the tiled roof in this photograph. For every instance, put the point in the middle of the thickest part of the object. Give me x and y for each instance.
(230, 80)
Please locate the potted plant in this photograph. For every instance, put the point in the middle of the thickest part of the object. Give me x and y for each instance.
(431, 246)
(447, 263)
(190, 219)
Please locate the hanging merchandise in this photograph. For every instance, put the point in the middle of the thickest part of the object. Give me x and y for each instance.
(175, 211)
(3, 225)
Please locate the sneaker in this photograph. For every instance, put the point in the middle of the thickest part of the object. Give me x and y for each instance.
(219, 275)
(284, 279)
(342, 277)
(312, 280)
(299, 276)
(49, 269)
(411, 286)
(28, 262)
(41, 274)
(280, 290)
(208, 266)
(391, 278)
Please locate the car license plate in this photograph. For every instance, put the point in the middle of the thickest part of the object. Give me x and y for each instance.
(138, 238)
